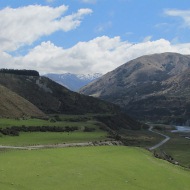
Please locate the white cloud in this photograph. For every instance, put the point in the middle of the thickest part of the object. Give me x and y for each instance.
(72, 21)
(24, 25)
(101, 54)
(183, 14)
(6, 60)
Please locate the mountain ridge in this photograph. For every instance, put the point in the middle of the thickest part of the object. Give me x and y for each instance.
(48, 97)
(51, 97)
(151, 87)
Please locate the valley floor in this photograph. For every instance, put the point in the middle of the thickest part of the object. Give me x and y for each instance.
(167, 138)
(85, 162)
(174, 146)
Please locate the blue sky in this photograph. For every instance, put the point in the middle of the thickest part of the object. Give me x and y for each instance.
(88, 36)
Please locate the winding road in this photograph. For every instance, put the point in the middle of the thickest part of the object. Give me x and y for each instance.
(109, 143)
(167, 138)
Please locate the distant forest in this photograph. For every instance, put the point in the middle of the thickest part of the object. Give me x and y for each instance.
(20, 72)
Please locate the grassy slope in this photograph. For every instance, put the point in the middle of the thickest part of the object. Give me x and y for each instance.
(92, 168)
(13, 105)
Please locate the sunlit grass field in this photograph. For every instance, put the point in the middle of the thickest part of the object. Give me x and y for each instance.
(94, 168)
(45, 138)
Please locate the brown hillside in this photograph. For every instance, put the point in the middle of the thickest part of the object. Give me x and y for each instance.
(14, 106)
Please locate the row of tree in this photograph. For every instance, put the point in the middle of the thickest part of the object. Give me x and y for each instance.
(14, 130)
(20, 72)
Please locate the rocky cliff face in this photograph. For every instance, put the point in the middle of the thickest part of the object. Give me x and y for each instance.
(153, 87)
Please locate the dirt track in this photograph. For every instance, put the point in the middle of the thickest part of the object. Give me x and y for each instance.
(101, 143)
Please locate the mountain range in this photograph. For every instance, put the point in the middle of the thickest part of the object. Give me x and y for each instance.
(151, 88)
(73, 81)
(26, 94)
(51, 97)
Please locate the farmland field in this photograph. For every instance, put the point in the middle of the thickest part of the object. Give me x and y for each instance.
(95, 168)
(51, 137)
(36, 138)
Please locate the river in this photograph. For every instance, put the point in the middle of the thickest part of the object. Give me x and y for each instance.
(184, 129)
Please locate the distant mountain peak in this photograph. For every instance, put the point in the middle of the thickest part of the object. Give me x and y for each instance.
(89, 76)
(73, 81)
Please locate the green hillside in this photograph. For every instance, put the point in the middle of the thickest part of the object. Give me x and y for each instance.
(51, 97)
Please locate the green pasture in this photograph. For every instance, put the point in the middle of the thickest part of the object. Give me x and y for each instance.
(94, 168)
(64, 121)
(36, 138)
(27, 122)
(179, 148)
(44, 138)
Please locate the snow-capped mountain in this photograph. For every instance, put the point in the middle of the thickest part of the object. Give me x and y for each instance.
(73, 81)
(89, 76)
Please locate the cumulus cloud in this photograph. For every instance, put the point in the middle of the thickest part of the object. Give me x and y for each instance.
(183, 14)
(24, 25)
(101, 54)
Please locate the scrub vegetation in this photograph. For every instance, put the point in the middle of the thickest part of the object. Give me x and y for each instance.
(56, 129)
